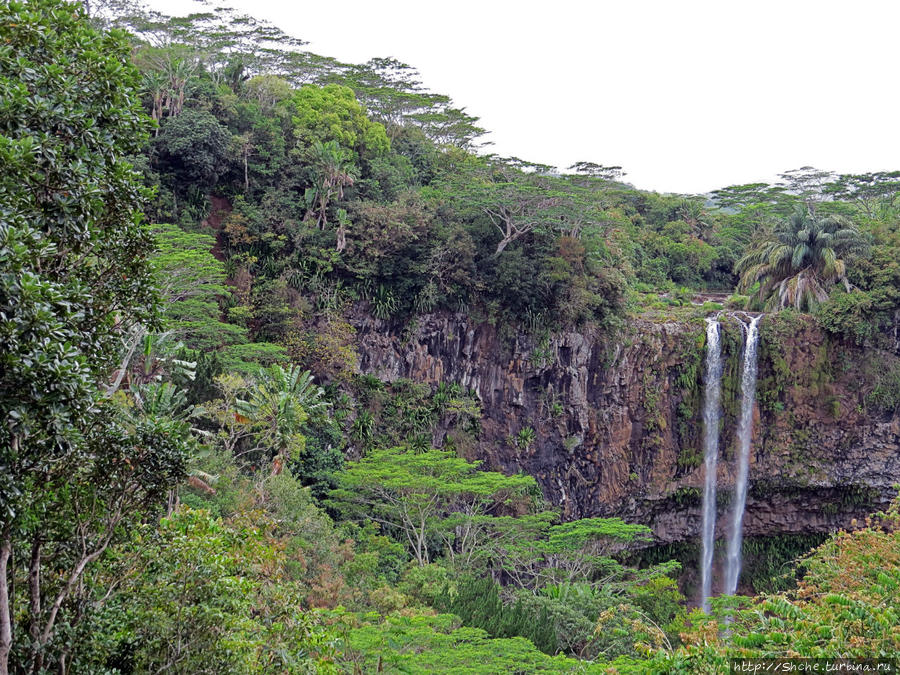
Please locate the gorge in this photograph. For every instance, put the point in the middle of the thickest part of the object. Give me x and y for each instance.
(624, 437)
(297, 377)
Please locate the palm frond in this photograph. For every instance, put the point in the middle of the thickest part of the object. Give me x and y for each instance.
(800, 259)
(800, 253)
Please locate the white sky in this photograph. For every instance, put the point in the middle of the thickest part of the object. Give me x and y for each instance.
(686, 95)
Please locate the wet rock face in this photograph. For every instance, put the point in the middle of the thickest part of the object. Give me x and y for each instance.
(617, 418)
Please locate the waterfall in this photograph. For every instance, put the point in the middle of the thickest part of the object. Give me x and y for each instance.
(745, 435)
(712, 413)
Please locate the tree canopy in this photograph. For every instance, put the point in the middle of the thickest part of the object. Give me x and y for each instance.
(332, 113)
(800, 260)
(74, 279)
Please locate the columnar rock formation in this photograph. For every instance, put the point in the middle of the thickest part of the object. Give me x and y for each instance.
(618, 416)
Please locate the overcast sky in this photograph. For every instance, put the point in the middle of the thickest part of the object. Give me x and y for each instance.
(686, 95)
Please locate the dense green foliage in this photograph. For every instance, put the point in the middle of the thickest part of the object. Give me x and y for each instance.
(797, 263)
(845, 606)
(478, 604)
(340, 185)
(194, 476)
(78, 465)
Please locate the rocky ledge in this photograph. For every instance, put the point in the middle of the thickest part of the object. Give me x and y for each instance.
(616, 417)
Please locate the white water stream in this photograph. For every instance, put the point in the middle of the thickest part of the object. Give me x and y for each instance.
(745, 436)
(712, 414)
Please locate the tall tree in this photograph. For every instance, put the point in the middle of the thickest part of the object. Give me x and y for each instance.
(390, 90)
(449, 126)
(869, 191)
(334, 171)
(611, 173)
(797, 263)
(519, 198)
(808, 184)
(74, 277)
(332, 113)
(394, 95)
(427, 497)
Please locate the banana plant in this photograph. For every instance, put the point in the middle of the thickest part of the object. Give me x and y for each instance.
(278, 407)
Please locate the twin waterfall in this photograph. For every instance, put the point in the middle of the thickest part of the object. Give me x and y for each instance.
(712, 415)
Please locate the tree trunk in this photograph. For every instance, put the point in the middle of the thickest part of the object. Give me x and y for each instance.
(323, 206)
(508, 231)
(5, 609)
(34, 609)
(246, 175)
(501, 246)
(136, 338)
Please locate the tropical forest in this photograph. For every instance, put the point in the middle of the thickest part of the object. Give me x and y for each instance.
(297, 376)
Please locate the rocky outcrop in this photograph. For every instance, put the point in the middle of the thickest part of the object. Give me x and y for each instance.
(617, 425)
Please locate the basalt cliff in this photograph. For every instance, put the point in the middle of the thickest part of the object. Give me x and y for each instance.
(616, 416)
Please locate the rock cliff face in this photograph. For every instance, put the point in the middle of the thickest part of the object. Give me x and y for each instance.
(617, 422)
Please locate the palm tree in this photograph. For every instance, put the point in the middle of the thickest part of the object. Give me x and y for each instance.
(335, 171)
(693, 212)
(798, 262)
(278, 407)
